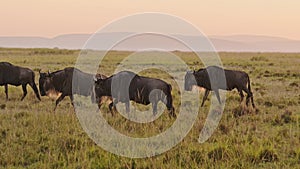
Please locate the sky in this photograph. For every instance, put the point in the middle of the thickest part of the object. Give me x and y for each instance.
(50, 18)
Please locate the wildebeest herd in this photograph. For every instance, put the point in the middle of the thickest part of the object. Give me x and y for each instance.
(123, 87)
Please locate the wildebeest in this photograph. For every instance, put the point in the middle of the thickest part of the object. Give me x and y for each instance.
(59, 84)
(234, 79)
(125, 86)
(16, 75)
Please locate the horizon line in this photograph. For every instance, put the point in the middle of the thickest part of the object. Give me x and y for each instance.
(208, 36)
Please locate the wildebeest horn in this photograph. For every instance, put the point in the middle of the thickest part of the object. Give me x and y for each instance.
(49, 72)
(95, 78)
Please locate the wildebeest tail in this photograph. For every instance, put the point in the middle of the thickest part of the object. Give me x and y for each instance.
(249, 85)
(170, 87)
(170, 102)
(251, 95)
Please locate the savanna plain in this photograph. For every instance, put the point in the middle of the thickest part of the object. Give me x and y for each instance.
(32, 135)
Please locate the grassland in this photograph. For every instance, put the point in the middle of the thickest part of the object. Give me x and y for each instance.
(33, 136)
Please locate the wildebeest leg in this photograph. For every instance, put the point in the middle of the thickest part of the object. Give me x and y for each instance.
(100, 101)
(205, 97)
(61, 97)
(6, 91)
(72, 100)
(249, 95)
(169, 103)
(218, 95)
(154, 108)
(252, 101)
(241, 94)
(127, 106)
(172, 112)
(112, 105)
(97, 100)
(24, 91)
(35, 89)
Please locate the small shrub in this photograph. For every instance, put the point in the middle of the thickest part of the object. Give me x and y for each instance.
(277, 121)
(224, 129)
(43, 149)
(283, 133)
(197, 156)
(2, 106)
(93, 153)
(291, 103)
(281, 106)
(267, 155)
(271, 64)
(268, 104)
(286, 116)
(296, 75)
(217, 154)
(70, 145)
(242, 110)
(252, 158)
(238, 111)
(3, 134)
(20, 115)
(259, 58)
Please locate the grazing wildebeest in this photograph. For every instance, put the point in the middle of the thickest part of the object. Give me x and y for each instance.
(59, 84)
(234, 79)
(125, 86)
(16, 75)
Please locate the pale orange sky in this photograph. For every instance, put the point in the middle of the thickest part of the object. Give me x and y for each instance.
(49, 18)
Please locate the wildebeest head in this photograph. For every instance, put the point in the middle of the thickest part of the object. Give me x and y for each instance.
(189, 80)
(94, 97)
(45, 83)
(99, 88)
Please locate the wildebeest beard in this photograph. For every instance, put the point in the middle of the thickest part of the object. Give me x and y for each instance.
(53, 94)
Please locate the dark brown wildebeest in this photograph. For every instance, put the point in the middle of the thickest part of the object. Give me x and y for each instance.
(16, 75)
(125, 86)
(234, 79)
(67, 82)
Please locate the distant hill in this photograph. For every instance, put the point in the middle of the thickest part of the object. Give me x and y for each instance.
(70, 41)
(255, 43)
(235, 43)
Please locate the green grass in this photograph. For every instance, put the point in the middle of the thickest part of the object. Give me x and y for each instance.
(33, 136)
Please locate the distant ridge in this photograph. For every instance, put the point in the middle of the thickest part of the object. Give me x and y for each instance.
(234, 43)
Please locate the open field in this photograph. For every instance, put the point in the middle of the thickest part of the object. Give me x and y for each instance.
(33, 136)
